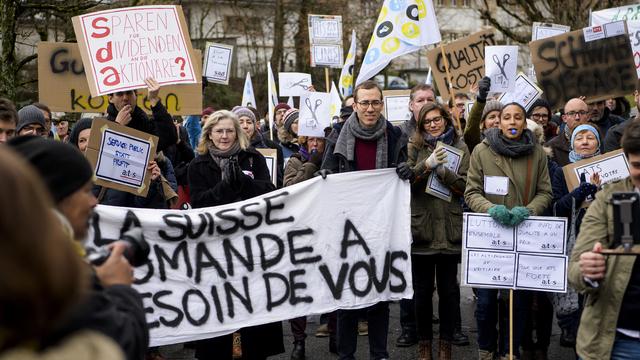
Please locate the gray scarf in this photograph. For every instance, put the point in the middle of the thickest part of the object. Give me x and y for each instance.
(511, 148)
(222, 157)
(346, 144)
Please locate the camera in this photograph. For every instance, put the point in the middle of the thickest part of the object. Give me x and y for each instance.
(137, 251)
(626, 227)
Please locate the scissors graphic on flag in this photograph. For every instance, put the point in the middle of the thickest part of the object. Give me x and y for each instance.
(503, 79)
(313, 123)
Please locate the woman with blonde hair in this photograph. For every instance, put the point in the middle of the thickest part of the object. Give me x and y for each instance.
(227, 169)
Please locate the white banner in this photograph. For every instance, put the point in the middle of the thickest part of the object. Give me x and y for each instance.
(630, 13)
(305, 249)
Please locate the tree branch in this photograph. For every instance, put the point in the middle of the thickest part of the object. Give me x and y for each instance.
(25, 61)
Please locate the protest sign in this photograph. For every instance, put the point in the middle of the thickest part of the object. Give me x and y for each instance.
(611, 166)
(314, 114)
(270, 258)
(122, 47)
(402, 28)
(568, 67)
(217, 63)
(528, 256)
(248, 97)
(293, 83)
(346, 74)
(541, 31)
(466, 62)
(501, 67)
(396, 105)
(62, 84)
(271, 156)
(454, 158)
(630, 13)
(325, 39)
(120, 155)
(525, 92)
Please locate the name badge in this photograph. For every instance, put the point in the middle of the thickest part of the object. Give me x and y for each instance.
(496, 185)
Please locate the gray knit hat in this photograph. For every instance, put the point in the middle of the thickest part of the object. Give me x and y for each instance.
(244, 111)
(289, 118)
(30, 115)
(491, 105)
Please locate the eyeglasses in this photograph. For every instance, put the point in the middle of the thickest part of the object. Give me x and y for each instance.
(366, 103)
(574, 113)
(436, 120)
(222, 132)
(541, 116)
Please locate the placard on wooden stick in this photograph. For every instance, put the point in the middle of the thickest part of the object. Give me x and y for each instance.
(120, 155)
(325, 40)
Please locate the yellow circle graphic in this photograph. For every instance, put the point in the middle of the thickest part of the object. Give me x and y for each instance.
(390, 45)
(410, 30)
(347, 80)
(422, 9)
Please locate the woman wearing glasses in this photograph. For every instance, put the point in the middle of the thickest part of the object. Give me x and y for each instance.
(436, 225)
(227, 169)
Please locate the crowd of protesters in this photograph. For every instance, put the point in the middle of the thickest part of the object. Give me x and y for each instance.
(209, 160)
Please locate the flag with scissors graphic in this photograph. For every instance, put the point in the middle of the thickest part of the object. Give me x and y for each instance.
(248, 97)
(346, 75)
(314, 113)
(404, 26)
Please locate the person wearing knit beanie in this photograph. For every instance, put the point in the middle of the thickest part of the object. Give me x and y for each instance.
(244, 111)
(80, 134)
(490, 115)
(278, 113)
(31, 122)
(291, 121)
(247, 119)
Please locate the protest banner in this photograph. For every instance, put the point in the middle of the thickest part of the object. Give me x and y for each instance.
(396, 105)
(325, 40)
(314, 114)
(402, 28)
(541, 31)
(120, 155)
(568, 67)
(346, 74)
(454, 158)
(629, 13)
(248, 96)
(122, 47)
(525, 92)
(217, 63)
(501, 67)
(294, 83)
(271, 156)
(611, 166)
(62, 84)
(465, 58)
(528, 256)
(270, 258)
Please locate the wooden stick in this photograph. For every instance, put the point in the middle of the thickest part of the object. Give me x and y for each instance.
(326, 78)
(510, 324)
(446, 68)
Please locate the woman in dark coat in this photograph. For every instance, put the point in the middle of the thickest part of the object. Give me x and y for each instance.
(227, 170)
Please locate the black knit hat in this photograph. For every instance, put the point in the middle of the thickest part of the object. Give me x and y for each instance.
(30, 115)
(62, 167)
(540, 102)
(82, 124)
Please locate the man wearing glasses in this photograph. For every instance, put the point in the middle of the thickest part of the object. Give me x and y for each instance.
(31, 122)
(124, 110)
(576, 112)
(367, 141)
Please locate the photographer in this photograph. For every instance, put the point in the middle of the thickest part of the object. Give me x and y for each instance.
(609, 327)
(112, 307)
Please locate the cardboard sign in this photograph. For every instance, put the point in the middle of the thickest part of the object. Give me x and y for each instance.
(293, 83)
(568, 67)
(525, 92)
(396, 105)
(120, 155)
(217, 64)
(629, 13)
(325, 39)
(454, 158)
(271, 157)
(122, 47)
(541, 31)
(62, 84)
(315, 108)
(537, 262)
(466, 62)
(611, 166)
(501, 66)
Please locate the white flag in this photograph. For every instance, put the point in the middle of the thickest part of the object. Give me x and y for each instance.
(273, 96)
(336, 103)
(290, 102)
(429, 80)
(248, 97)
(403, 27)
(346, 75)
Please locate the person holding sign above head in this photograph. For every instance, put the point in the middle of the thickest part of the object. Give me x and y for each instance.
(585, 143)
(227, 169)
(576, 112)
(508, 178)
(609, 326)
(124, 110)
(436, 224)
(366, 141)
(483, 115)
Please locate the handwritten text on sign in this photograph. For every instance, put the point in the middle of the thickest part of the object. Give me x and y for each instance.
(536, 271)
(217, 63)
(270, 258)
(123, 159)
(127, 45)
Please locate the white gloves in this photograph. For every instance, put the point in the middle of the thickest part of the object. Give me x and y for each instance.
(436, 158)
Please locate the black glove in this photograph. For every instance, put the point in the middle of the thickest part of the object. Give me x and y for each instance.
(483, 88)
(584, 190)
(405, 172)
(315, 157)
(323, 173)
(234, 172)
